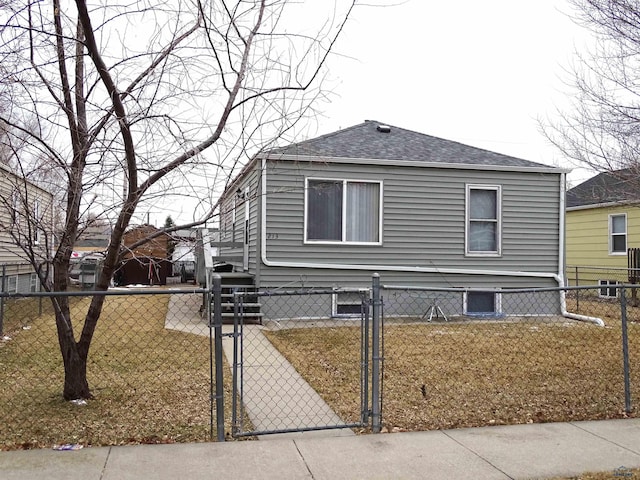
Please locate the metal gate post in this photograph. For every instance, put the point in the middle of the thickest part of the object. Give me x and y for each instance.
(217, 327)
(376, 419)
(364, 357)
(625, 351)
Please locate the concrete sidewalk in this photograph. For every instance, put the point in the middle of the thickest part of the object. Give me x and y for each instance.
(503, 452)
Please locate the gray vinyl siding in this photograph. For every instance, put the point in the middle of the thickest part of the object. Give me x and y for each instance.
(254, 227)
(405, 303)
(423, 225)
(234, 230)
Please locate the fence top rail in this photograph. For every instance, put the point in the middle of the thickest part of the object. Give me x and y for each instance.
(507, 290)
(589, 267)
(107, 293)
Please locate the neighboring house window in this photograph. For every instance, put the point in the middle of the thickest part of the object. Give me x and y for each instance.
(482, 302)
(15, 201)
(36, 223)
(605, 288)
(483, 220)
(343, 211)
(33, 283)
(618, 234)
(12, 284)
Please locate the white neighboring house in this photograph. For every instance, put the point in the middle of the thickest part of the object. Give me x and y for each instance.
(184, 261)
(26, 231)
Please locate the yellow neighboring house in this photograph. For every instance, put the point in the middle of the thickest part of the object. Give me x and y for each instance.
(602, 222)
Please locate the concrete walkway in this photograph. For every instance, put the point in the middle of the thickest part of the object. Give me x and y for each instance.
(513, 452)
(275, 395)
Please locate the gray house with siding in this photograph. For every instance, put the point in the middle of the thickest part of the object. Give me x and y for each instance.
(419, 210)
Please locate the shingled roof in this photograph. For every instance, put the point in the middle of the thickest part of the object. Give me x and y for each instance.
(381, 141)
(607, 187)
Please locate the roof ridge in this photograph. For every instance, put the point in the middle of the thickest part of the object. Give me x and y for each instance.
(324, 136)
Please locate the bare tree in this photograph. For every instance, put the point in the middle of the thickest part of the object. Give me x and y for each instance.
(131, 99)
(601, 130)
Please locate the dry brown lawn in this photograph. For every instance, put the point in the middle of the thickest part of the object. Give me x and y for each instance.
(151, 385)
(465, 374)
(628, 474)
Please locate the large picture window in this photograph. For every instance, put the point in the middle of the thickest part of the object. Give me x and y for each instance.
(618, 234)
(343, 211)
(483, 220)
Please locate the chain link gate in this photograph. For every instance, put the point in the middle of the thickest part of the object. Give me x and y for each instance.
(269, 395)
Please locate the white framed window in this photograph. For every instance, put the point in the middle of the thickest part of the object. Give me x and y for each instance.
(483, 220)
(482, 303)
(618, 234)
(605, 290)
(343, 211)
(346, 304)
(36, 232)
(15, 202)
(34, 283)
(12, 284)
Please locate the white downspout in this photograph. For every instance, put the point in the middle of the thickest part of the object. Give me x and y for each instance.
(561, 260)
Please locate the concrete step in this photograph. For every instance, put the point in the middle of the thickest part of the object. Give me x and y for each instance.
(245, 305)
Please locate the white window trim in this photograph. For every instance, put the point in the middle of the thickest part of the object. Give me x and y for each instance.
(497, 301)
(334, 304)
(34, 283)
(36, 223)
(9, 288)
(626, 233)
(606, 284)
(467, 220)
(344, 181)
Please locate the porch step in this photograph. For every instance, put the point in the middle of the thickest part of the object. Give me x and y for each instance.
(246, 315)
(245, 305)
(239, 282)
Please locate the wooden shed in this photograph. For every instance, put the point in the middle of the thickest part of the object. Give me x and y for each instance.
(148, 263)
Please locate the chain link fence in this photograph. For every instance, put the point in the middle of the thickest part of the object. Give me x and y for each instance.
(463, 358)
(305, 367)
(313, 359)
(149, 369)
(580, 275)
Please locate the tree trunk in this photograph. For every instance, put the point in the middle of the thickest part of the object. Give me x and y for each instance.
(74, 359)
(76, 385)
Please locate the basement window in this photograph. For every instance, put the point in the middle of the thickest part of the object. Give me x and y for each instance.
(477, 303)
(605, 289)
(346, 304)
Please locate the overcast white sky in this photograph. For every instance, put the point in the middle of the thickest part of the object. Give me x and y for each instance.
(478, 72)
